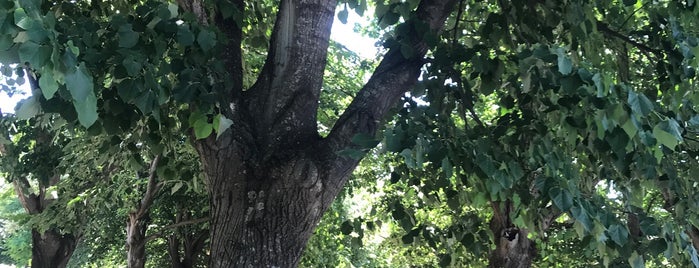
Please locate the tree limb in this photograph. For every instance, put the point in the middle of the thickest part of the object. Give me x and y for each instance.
(392, 78)
(30, 201)
(292, 74)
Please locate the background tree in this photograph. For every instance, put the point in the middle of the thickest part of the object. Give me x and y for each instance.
(30, 161)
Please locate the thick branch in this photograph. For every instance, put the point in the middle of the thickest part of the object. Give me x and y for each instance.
(29, 201)
(284, 100)
(394, 76)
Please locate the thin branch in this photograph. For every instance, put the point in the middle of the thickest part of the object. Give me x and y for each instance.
(605, 29)
(456, 24)
(160, 232)
(633, 13)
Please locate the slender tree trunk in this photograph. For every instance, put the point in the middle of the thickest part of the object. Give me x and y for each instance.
(51, 249)
(136, 241)
(137, 223)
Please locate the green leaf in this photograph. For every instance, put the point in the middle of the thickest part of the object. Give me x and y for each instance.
(657, 246)
(342, 15)
(580, 215)
(132, 67)
(599, 85)
(184, 36)
(408, 158)
(444, 260)
(81, 88)
(565, 66)
(48, 84)
(639, 103)
(202, 128)
(35, 54)
(87, 110)
(206, 40)
(561, 198)
(447, 167)
(176, 187)
(174, 10)
(127, 37)
(346, 227)
(619, 234)
(389, 18)
(79, 84)
(145, 101)
(22, 20)
(223, 125)
(668, 133)
(636, 261)
(28, 108)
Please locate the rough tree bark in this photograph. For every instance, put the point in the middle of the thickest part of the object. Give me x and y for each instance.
(51, 249)
(271, 176)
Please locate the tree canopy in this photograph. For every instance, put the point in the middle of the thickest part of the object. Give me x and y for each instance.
(513, 133)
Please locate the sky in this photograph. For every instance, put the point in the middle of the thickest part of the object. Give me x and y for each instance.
(341, 33)
(7, 103)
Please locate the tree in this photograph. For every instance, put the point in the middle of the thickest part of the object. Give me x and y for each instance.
(618, 75)
(30, 162)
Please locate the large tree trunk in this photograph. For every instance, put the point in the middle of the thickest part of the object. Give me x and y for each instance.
(51, 249)
(270, 177)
